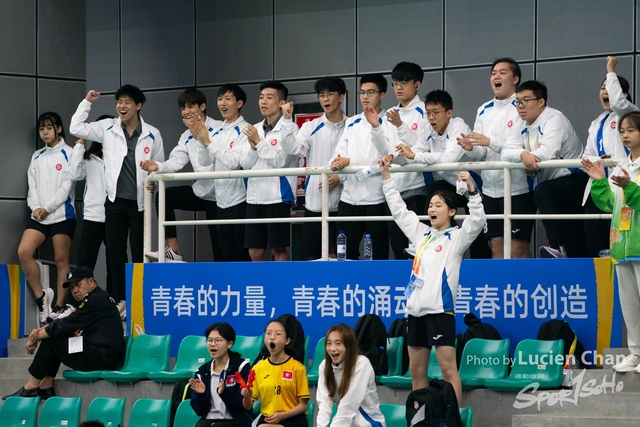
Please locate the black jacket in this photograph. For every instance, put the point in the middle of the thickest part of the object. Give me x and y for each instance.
(201, 402)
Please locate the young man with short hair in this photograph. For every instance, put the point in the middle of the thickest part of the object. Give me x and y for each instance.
(404, 125)
(224, 148)
(494, 121)
(317, 139)
(362, 143)
(197, 197)
(126, 141)
(544, 133)
(268, 197)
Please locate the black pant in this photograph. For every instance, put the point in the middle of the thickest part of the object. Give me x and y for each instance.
(231, 237)
(479, 249)
(312, 235)
(54, 351)
(596, 230)
(183, 198)
(397, 238)
(354, 230)
(564, 196)
(91, 239)
(122, 219)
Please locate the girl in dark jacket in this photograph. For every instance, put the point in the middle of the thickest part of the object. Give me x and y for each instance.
(215, 394)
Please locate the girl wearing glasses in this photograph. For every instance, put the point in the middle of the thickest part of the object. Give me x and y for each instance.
(346, 378)
(215, 394)
(280, 383)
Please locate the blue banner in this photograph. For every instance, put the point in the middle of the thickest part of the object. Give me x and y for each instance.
(515, 296)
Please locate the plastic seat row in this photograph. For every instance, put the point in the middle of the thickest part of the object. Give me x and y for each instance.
(65, 411)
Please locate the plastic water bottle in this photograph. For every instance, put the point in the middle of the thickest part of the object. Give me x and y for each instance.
(341, 247)
(370, 170)
(368, 247)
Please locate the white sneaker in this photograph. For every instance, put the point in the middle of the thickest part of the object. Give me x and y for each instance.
(122, 309)
(61, 313)
(169, 255)
(45, 309)
(630, 363)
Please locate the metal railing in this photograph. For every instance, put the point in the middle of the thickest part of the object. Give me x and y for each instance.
(324, 218)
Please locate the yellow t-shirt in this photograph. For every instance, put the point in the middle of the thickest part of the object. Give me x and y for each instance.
(279, 386)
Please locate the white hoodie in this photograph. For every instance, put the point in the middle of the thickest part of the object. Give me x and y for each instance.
(92, 171)
(359, 407)
(50, 186)
(114, 145)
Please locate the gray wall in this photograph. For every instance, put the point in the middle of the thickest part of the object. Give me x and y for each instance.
(164, 46)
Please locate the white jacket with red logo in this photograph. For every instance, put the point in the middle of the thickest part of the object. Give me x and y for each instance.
(50, 186)
(114, 145)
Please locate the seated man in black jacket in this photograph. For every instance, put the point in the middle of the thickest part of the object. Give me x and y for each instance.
(89, 339)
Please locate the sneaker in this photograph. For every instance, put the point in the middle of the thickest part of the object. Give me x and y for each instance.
(630, 363)
(61, 312)
(549, 252)
(122, 309)
(169, 254)
(44, 304)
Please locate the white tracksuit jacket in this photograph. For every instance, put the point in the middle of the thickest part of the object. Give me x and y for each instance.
(50, 186)
(316, 139)
(92, 171)
(359, 407)
(362, 146)
(410, 131)
(187, 151)
(550, 137)
(269, 155)
(436, 148)
(224, 152)
(441, 259)
(114, 145)
(495, 120)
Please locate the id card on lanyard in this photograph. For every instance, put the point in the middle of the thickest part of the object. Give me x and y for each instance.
(626, 211)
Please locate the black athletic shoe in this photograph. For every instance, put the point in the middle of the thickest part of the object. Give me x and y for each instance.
(24, 393)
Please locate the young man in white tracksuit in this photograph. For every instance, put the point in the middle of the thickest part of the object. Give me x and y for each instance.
(404, 124)
(268, 197)
(494, 121)
(317, 140)
(126, 141)
(439, 145)
(544, 133)
(201, 195)
(224, 149)
(361, 145)
(433, 283)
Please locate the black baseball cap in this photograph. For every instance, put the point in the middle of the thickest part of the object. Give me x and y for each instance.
(77, 274)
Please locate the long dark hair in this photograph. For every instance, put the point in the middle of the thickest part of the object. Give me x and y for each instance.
(227, 332)
(96, 147)
(348, 338)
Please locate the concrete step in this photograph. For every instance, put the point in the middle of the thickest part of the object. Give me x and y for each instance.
(611, 356)
(16, 348)
(544, 420)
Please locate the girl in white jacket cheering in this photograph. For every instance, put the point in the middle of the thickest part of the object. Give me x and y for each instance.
(346, 378)
(433, 283)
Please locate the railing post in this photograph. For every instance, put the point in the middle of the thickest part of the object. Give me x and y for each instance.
(161, 203)
(325, 215)
(507, 214)
(148, 202)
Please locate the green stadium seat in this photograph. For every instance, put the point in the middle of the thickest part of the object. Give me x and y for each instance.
(185, 415)
(248, 347)
(394, 415)
(109, 411)
(310, 413)
(394, 357)
(150, 413)
(61, 412)
(533, 362)
(397, 381)
(90, 376)
(149, 353)
(482, 360)
(20, 411)
(467, 416)
(193, 352)
(318, 356)
(307, 341)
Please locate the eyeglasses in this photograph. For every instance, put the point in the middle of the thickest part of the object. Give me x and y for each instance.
(369, 92)
(216, 341)
(399, 84)
(435, 113)
(274, 334)
(524, 102)
(322, 95)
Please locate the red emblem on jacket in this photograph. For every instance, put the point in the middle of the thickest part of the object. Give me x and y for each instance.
(287, 375)
(231, 144)
(438, 248)
(58, 167)
(613, 124)
(230, 381)
(146, 150)
(274, 142)
(414, 126)
(510, 123)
